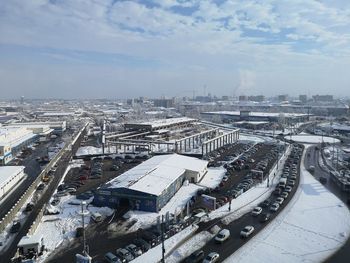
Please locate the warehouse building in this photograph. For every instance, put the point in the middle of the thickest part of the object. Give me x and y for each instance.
(150, 185)
(160, 124)
(13, 140)
(56, 127)
(9, 177)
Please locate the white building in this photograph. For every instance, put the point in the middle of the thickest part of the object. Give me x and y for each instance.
(42, 127)
(12, 139)
(9, 177)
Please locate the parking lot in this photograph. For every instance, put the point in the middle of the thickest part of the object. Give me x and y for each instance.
(259, 216)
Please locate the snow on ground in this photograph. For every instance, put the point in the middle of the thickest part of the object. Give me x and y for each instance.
(312, 139)
(239, 206)
(155, 254)
(194, 243)
(248, 137)
(62, 226)
(313, 226)
(213, 177)
(174, 206)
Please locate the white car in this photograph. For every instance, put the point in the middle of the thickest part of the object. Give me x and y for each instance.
(274, 207)
(288, 189)
(279, 200)
(211, 258)
(284, 194)
(257, 211)
(247, 231)
(222, 236)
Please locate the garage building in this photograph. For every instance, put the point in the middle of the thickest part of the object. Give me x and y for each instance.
(150, 185)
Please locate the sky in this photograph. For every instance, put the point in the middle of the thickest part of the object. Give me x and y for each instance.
(122, 49)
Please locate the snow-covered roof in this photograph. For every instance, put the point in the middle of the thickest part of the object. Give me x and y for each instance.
(30, 240)
(164, 122)
(257, 114)
(157, 173)
(7, 172)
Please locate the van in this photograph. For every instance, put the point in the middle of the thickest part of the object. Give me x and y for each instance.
(222, 236)
(97, 217)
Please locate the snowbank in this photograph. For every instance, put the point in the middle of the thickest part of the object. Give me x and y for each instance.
(312, 139)
(313, 226)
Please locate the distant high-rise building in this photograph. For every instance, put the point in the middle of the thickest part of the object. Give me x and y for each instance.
(258, 98)
(242, 98)
(322, 98)
(22, 100)
(303, 98)
(282, 97)
(165, 103)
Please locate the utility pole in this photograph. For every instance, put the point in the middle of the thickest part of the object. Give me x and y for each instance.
(162, 231)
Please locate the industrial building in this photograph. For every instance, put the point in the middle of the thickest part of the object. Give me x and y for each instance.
(9, 177)
(160, 124)
(57, 127)
(230, 116)
(12, 140)
(150, 185)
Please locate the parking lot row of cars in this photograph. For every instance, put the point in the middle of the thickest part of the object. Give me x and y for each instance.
(147, 239)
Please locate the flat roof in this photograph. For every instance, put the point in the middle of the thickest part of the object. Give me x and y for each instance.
(30, 240)
(7, 172)
(157, 173)
(258, 114)
(163, 122)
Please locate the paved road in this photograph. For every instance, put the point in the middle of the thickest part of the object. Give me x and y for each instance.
(343, 255)
(61, 167)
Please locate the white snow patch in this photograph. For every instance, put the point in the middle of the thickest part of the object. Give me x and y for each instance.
(213, 177)
(312, 139)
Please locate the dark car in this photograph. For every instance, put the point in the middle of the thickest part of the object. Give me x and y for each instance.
(29, 207)
(15, 227)
(264, 217)
(40, 187)
(151, 238)
(323, 180)
(195, 257)
(277, 191)
(141, 243)
(266, 203)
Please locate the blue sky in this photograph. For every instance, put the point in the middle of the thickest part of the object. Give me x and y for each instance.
(120, 49)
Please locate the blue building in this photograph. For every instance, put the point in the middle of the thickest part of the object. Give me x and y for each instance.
(150, 185)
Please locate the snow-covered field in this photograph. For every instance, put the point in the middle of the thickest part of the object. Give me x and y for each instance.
(313, 226)
(312, 139)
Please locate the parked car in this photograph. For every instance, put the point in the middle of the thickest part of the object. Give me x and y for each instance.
(284, 195)
(135, 250)
(222, 236)
(211, 258)
(288, 189)
(265, 203)
(274, 207)
(247, 231)
(124, 255)
(40, 187)
(141, 243)
(111, 258)
(279, 200)
(257, 211)
(195, 257)
(264, 217)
